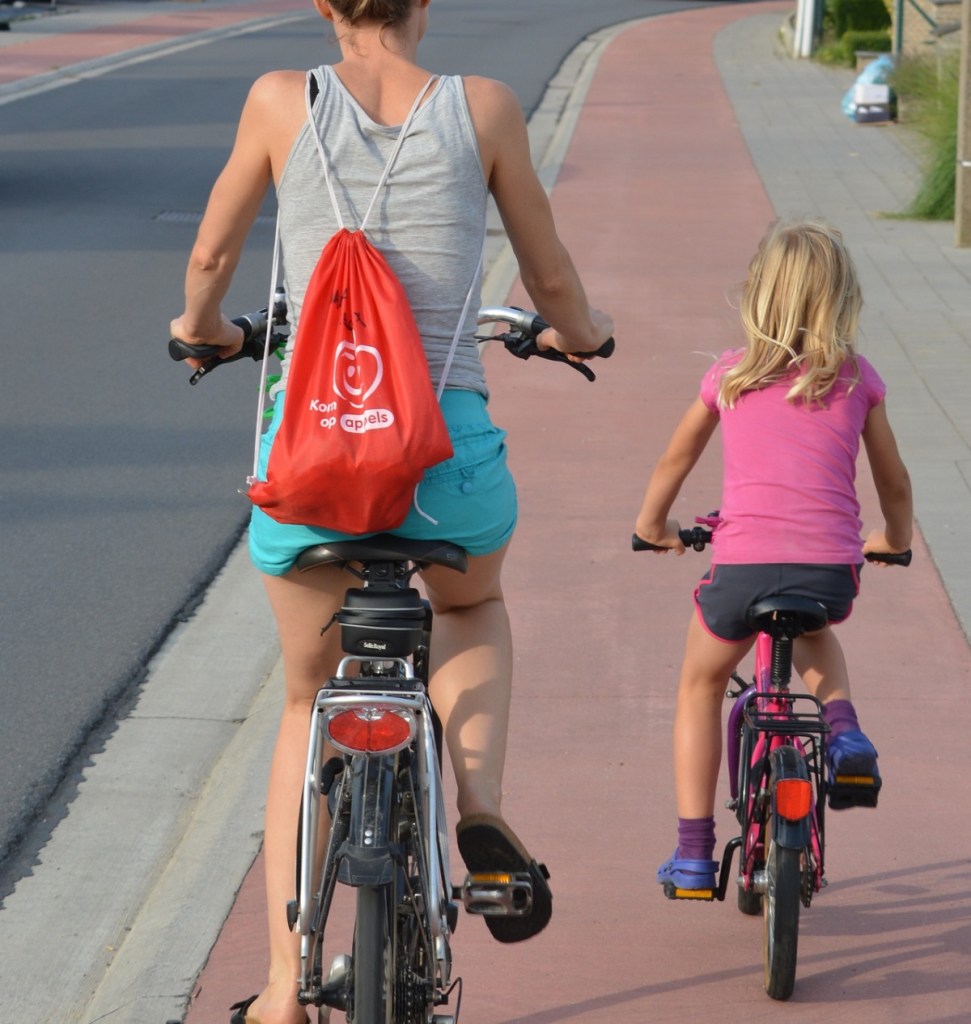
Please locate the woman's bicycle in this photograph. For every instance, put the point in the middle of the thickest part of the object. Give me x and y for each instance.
(779, 782)
(374, 768)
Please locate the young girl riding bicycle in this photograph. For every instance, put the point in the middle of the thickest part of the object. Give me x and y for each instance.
(793, 405)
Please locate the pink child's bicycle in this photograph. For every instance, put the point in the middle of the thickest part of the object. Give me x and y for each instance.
(779, 783)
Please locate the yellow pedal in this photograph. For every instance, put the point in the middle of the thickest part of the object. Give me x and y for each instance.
(502, 893)
(694, 894)
(495, 877)
(672, 892)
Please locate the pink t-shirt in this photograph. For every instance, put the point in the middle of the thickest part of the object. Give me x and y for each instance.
(789, 470)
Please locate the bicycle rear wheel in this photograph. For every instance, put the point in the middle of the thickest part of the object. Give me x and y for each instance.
(781, 902)
(373, 960)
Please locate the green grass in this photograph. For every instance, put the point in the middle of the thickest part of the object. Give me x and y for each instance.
(927, 93)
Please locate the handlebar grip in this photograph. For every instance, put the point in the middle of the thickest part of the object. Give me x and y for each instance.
(902, 558)
(254, 327)
(606, 350)
(696, 537)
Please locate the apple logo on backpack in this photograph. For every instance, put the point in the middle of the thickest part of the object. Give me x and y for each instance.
(358, 371)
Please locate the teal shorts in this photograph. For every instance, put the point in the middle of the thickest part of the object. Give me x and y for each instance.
(469, 500)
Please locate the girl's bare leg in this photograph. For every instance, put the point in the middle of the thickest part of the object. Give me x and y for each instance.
(707, 665)
(303, 603)
(818, 658)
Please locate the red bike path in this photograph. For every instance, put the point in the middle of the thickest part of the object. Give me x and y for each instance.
(661, 204)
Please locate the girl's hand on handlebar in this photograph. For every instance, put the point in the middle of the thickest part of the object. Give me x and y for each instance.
(876, 544)
(228, 338)
(662, 541)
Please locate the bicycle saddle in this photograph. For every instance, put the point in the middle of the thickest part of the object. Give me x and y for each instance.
(789, 616)
(385, 547)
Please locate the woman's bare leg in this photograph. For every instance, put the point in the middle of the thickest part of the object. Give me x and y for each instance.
(303, 603)
(471, 676)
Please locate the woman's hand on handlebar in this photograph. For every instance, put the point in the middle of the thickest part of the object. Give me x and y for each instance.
(603, 326)
(228, 338)
(662, 541)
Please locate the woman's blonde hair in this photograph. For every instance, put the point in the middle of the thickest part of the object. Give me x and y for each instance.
(800, 309)
(387, 12)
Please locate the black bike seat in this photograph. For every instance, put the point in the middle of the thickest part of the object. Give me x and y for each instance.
(385, 547)
(790, 616)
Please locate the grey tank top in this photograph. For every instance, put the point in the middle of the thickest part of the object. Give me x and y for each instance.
(429, 224)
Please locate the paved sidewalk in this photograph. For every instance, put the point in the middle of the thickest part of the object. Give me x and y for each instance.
(696, 130)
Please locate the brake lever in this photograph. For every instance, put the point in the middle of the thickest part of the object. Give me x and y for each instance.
(523, 347)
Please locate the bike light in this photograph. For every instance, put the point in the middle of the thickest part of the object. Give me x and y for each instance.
(793, 798)
(373, 729)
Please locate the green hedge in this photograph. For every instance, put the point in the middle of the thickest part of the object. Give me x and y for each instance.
(857, 15)
(875, 41)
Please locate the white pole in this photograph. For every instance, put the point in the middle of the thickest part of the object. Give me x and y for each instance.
(802, 44)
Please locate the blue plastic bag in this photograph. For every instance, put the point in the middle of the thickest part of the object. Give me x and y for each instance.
(877, 72)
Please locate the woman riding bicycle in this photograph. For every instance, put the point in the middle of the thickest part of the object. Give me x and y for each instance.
(468, 139)
(793, 405)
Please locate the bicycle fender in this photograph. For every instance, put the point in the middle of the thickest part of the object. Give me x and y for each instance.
(788, 764)
(366, 854)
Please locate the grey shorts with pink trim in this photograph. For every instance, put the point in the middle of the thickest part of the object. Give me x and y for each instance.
(726, 592)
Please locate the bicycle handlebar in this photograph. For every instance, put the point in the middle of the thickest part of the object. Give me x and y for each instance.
(520, 341)
(698, 537)
(254, 327)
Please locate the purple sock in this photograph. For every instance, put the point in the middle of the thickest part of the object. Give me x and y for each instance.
(840, 715)
(696, 838)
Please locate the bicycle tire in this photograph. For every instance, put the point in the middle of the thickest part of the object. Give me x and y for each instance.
(783, 896)
(373, 958)
(750, 782)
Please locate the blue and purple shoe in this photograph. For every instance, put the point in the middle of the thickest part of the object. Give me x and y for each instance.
(854, 780)
(684, 878)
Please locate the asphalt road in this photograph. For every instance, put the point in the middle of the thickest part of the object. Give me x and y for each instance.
(119, 482)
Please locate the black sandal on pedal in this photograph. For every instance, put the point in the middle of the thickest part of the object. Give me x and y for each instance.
(487, 843)
(239, 1015)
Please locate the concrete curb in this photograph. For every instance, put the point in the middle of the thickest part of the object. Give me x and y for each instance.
(132, 882)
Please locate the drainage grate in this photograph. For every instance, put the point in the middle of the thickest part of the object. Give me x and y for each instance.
(195, 217)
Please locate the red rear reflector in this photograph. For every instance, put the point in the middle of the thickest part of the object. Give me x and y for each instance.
(793, 798)
(370, 730)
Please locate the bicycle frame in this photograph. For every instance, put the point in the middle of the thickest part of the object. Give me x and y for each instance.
(765, 718)
(361, 849)
(777, 773)
(387, 839)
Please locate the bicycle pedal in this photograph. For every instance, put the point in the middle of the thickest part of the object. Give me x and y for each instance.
(335, 990)
(674, 893)
(497, 893)
(853, 791)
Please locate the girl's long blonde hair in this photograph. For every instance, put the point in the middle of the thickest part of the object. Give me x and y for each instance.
(800, 309)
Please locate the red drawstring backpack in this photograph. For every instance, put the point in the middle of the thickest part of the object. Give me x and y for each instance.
(361, 421)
